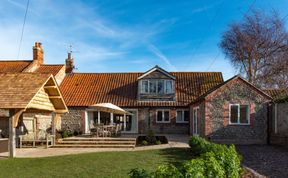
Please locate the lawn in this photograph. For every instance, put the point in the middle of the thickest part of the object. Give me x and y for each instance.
(104, 164)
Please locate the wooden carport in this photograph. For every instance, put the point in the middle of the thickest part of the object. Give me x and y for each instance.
(29, 92)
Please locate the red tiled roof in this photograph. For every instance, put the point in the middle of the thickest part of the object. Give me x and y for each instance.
(85, 89)
(13, 66)
(277, 93)
(49, 69)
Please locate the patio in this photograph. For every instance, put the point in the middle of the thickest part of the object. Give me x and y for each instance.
(175, 141)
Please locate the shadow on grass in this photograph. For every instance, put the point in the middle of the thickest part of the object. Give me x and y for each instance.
(177, 156)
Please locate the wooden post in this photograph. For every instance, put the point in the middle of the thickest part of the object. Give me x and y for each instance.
(12, 133)
(55, 119)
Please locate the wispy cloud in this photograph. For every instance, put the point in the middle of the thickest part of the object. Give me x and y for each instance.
(161, 56)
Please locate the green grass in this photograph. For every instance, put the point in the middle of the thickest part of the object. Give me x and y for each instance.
(104, 164)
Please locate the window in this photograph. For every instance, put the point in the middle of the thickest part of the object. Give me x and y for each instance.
(163, 116)
(160, 86)
(182, 116)
(145, 85)
(154, 86)
(239, 114)
(168, 86)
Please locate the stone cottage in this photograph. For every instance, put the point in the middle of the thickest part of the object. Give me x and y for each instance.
(196, 103)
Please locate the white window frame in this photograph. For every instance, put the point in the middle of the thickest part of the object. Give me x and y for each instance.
(183, 111)
(163, 121)
(157, 81)
(195, 130)
(238, 118)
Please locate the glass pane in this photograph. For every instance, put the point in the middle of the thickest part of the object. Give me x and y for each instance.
(160, 86)
(179, 116)
(244, 114)
(186, 115)
(128, 123)
(234, 114)
(145, 86)
(166, 115)
(168, 86)
(153, 86)
(159, 116)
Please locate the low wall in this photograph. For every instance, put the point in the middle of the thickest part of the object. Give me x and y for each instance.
(3, 145)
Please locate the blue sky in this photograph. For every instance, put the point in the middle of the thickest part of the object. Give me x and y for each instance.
(127, 35)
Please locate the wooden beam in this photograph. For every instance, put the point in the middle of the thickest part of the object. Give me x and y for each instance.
(12, 134)
(17, 116)
(48, 87)
(55, 97)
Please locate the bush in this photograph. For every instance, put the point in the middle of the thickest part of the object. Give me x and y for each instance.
(151, 139)
(144, 143)
(158, 142)
(227, 157)
(198, 145)
(194, 168)
(215, 160)
(139, 173)
(66, 133)
(167, 171)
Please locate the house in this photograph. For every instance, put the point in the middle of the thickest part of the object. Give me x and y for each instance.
(158, 100)
(195, 103)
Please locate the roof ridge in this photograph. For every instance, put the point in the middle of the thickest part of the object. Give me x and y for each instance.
(52, 65)
(22, 60)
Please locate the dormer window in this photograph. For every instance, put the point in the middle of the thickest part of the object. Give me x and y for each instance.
(154, 86)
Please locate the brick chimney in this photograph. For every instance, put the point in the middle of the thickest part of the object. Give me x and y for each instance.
(38, 54)
(69, 64)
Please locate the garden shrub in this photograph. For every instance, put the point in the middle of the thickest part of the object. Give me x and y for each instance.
(214, 160)
(144, 142)
(194, 168)
(151, 139)
(198, 145)
(167, 171)
(139, 173)
(227, 157)
(158, 142)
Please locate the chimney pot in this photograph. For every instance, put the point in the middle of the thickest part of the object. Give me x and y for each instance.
(38, 54)
(69, 64)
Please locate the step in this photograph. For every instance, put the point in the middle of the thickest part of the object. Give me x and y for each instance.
(96, 142)
(93, 146)
(98, 139)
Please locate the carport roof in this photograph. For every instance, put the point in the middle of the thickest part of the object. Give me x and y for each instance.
(30, 91)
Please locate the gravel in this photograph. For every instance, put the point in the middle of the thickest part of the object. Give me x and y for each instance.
(270, 161)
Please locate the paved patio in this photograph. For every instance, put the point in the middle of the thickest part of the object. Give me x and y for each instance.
(175, 141)
(271, 161)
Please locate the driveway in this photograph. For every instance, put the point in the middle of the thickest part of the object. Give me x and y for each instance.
(271, 161)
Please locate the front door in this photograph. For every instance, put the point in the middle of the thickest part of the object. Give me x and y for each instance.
(195, 120)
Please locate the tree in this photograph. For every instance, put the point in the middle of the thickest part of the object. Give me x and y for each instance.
(258, 48)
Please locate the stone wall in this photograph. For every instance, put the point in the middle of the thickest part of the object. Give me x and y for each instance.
(279, 135)
(166, 128)
(74, 120)
(217, 114)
